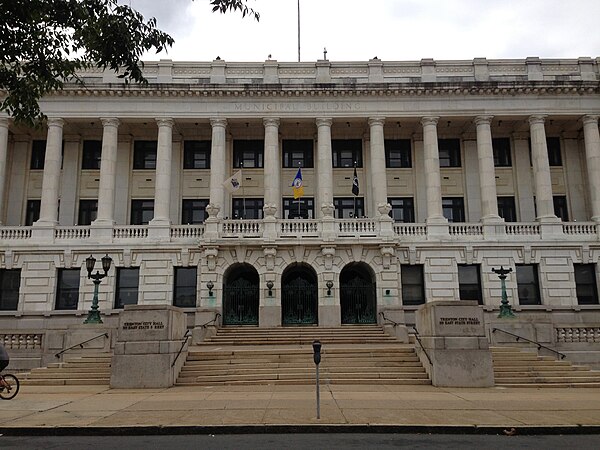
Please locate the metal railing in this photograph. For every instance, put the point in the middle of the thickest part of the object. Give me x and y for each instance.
(186, 336)
(418, 339)
(382, 314)
(80, 345)
(539, 346)
(213, 321)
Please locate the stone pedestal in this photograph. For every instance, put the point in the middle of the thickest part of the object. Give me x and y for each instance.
(453, 335)
(148, 340)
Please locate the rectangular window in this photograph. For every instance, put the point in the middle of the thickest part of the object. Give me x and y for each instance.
(349, 207)
(346, 152)
(127, 287)
(10, 282)
(469, 282)
(33, 212)
(300, 208)
(507, 209)
(184, 291)
(298, 153)
(585, 284)
(88, 210)
(193, 211)
(142, 212)
(38, 155)
(554, 155)
(92, 154)
(454, 209)
(413, 285)
(397, 153)
(501, 148)
(144, 155)
(560, 207)
(249, 208)
(248, 153)
(528, 284)
(449, 151)
(403, 209)
(196, 154)
(67, 292)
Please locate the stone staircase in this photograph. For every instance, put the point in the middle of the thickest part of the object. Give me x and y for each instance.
(516, 367)
(90, 369)
(350, 355)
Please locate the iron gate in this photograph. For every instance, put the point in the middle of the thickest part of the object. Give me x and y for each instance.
(299, 304)
(240, 303)
(358, 302)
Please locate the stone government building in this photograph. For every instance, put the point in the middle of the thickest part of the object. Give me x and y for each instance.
(462, 166)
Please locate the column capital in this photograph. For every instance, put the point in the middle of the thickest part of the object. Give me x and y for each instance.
(483, 120)
(56, 122)
(537, 119)
(216, 122)
(4, 122)
(323, 121)
(376, 121)
(164, 122)
(429, 120)
(271, 122)
(110, 121)
(590, 118)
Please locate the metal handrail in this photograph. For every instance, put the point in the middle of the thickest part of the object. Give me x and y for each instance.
(539, 346)
(382, 314)
(217, 315)
(186, 336)
(421, 344)
(57, 355)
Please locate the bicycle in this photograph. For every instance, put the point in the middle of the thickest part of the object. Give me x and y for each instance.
(7, 393)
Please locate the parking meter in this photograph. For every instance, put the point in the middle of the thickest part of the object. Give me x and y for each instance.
(317, 352)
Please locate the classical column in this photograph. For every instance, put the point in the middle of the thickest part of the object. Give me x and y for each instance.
(3, 162)
(541, 170)
(108, 172)
(487, 174)
(162, 189)
(51, 179)
(591, 136)
(272, 170)
(325, 166)
(377, 154)
(432, 171)
(218, 152)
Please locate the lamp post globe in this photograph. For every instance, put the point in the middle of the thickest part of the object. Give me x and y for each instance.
(93, 316)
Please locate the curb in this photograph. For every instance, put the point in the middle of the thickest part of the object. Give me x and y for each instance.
(299, 429)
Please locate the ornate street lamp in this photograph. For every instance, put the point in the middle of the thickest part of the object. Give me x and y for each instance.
(210, 285)
(329, 285)
(90, 262)
(505, 308)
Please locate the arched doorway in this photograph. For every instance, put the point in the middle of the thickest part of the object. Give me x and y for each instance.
(299, 296)
(358, 301)
(240, 295)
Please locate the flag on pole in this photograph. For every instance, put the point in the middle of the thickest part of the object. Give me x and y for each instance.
(234, 182)
(297, 185)
(355, 189)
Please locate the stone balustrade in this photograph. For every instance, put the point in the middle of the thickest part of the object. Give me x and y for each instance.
(21, 341)
(299, 228)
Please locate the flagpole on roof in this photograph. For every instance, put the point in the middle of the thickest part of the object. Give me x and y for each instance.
(298, 30)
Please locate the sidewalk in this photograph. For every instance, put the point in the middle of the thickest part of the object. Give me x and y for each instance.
(49, 410)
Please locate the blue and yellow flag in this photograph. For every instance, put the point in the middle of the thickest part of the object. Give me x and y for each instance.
(297, 185)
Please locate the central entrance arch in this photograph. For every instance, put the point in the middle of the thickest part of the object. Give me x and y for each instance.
(358, 301)
(240, 295)
(299, 296)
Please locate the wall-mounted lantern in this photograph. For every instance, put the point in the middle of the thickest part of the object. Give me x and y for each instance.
(210, 285)
(329, 285)
(270, 288)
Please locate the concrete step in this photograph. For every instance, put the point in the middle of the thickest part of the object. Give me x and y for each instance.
(66, 382)
(292, 381)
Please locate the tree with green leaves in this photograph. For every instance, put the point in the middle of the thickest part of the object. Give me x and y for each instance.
(45, 42)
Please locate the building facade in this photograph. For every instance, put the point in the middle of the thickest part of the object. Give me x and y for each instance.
(418, 179)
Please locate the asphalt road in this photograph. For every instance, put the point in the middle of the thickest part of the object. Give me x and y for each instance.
(304, 441)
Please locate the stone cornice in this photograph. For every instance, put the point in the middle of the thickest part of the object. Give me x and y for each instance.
(340, 90)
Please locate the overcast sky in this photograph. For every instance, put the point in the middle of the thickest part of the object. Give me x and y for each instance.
(392, 30)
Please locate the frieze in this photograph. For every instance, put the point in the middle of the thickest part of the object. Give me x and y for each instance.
(298, 106)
